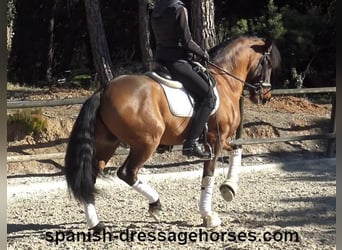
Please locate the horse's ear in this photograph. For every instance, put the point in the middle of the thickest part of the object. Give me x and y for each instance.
(268, 43)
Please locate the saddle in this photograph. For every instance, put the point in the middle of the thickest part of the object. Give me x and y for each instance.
(162, 71)
(181, 103)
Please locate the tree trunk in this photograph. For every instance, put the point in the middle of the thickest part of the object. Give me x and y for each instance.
(144, 34)
(51, 43)
(202, 23)
(101, 57)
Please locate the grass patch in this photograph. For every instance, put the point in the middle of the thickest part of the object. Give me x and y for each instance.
(83, 80)
(30, 120)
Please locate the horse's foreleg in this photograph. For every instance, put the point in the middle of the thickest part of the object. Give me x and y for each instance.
(230, 186)
(210, 218)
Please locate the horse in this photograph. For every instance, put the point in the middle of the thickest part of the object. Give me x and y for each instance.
(132, 109)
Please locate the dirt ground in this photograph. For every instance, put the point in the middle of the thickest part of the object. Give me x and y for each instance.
(292, 206)
(294, 202)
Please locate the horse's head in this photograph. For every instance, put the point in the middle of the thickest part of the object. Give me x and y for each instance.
(248, 60)
(264, 59)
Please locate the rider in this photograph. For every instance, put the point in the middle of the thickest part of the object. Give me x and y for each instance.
(175, 49)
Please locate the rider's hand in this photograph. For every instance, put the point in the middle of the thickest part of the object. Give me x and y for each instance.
(206, 56)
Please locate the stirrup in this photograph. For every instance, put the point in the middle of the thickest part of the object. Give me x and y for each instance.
(194, 150)
(211, 154)
(205, 141)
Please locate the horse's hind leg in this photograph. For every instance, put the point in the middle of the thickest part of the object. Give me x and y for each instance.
(99, 163)
(105, 146)
(128, 172)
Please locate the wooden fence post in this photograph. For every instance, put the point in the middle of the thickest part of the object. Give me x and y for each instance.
(240, 128)
(331, 148)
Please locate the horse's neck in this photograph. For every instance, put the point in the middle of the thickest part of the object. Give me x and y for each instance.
(235, 68)
(231, 81)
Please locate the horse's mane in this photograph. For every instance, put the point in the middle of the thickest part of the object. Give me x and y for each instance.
(227, 51)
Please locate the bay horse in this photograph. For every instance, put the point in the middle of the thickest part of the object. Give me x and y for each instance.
(133, 109)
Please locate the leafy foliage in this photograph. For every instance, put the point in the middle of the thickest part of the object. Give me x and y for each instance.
(309, 44)
(269, 24)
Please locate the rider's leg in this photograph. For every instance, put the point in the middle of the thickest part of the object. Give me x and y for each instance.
(205, 102)
(191, 146)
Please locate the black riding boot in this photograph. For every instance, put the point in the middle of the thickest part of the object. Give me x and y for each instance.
(191, 146)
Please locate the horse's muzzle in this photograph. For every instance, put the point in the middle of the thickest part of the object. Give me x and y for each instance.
(265, 85)
(266, 93)
(261, 94)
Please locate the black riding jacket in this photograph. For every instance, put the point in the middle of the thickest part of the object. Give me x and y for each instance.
(172, 33)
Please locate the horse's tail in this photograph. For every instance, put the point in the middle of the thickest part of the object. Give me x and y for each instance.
(80, 167)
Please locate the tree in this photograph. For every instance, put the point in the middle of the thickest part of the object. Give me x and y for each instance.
(144, 33)
(269, 24)
(98, 41)
(47, 41)
(28, 56)
(11, 12)
(51, 43)
(202, 23)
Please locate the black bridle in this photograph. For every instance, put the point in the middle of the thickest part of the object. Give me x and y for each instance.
(263, 63)
(258, 86)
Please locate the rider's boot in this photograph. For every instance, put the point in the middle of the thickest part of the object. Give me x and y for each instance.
(191, 147)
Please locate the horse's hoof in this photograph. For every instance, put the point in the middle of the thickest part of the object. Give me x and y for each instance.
(154, 210)
(228, 190)
(212, 220)
(98, 228)
(155, 214)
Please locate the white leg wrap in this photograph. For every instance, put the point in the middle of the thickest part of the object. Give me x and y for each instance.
(206, 195)
(146, 190)
(234, 164)
(91, 215)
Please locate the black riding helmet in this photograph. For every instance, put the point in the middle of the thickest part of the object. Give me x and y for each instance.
(162, 5)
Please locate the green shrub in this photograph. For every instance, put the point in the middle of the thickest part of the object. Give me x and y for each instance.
(32, 121)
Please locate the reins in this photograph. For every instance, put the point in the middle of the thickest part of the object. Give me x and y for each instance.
(256, 88)
(231, 75)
